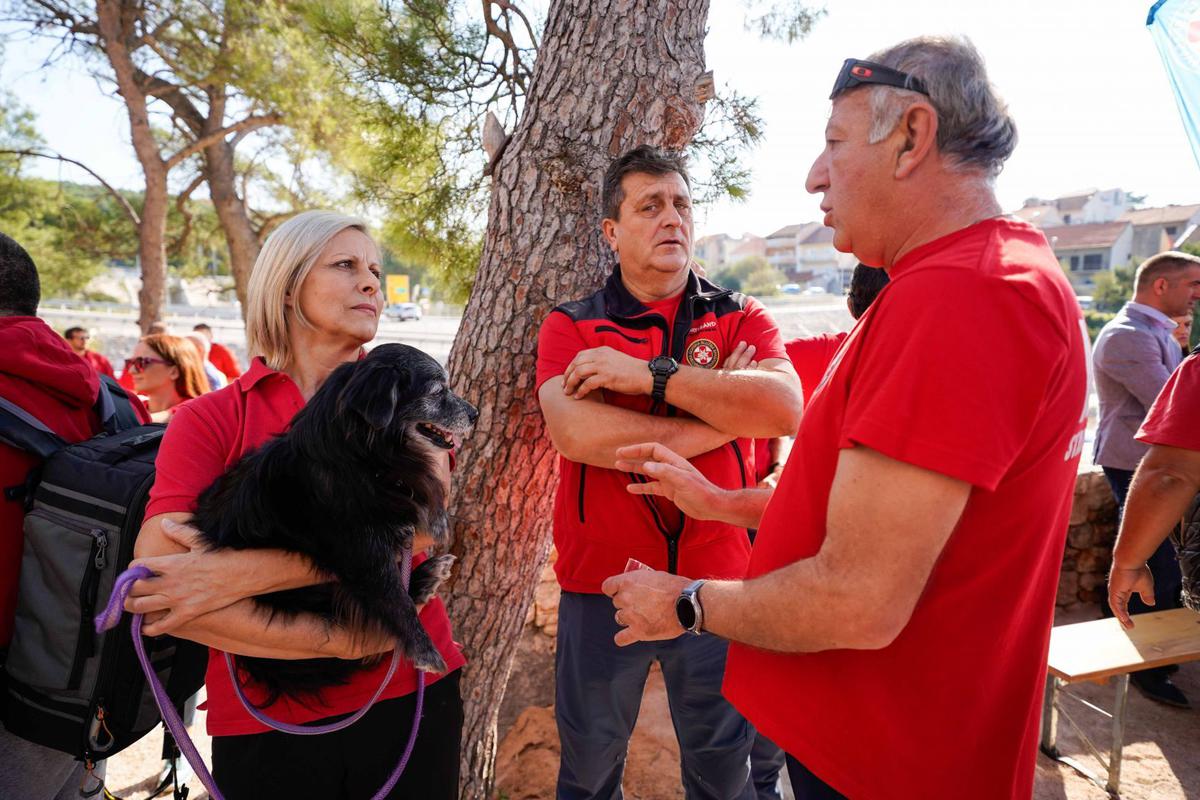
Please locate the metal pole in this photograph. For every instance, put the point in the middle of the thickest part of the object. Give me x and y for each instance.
(1118, 734)
(1050, 717)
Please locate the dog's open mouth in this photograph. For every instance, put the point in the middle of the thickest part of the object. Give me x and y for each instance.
(441, 437)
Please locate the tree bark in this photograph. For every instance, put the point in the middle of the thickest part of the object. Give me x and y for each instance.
(232, 214)
(220, 173)
(610, 74)
(116, 20)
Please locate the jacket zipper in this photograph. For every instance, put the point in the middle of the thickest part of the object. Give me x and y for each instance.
(737, 451)
(668, 349)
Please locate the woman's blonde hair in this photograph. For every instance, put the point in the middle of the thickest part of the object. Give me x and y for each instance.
(284, 262)
(181, 354)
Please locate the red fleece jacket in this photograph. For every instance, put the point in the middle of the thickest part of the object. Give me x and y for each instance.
(40, 373)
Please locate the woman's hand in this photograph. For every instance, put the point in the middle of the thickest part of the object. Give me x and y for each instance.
(189, 584)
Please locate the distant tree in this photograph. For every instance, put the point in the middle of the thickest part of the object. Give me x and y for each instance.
(738, 274)
(764, 281)
(1113, 288)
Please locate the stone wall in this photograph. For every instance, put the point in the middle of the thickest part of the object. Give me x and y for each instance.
(1093, 528)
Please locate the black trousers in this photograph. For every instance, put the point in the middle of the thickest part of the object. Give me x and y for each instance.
(352, 763)
(806, 786)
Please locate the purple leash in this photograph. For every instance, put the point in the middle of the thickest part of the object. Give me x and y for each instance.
(111, 614)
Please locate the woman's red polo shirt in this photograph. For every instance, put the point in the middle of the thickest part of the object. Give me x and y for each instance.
(207, 436)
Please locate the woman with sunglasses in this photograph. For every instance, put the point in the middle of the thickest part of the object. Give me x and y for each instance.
(313, 301)
(166, 371)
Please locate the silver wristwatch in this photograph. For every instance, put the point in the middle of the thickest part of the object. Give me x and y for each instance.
(688, 608)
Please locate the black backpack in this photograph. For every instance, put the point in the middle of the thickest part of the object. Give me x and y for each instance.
(64, 686)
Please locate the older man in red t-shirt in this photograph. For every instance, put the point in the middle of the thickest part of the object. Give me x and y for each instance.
(1166, 482)
(892, 630)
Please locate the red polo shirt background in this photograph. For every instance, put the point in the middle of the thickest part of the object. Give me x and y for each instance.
(221, 358)
(1171, 421)
(950, 708)
(99, 363)
(811, 357)
(205, 437)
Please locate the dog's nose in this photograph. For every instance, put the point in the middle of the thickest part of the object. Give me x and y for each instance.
(472, 412)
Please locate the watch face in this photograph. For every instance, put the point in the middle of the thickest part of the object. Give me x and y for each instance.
(663, 364)
(686, 613)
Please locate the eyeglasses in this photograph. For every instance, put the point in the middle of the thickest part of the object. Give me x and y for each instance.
(139, 363)
(856, 73)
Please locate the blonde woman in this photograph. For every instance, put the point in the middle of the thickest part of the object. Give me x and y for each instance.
(314, 300)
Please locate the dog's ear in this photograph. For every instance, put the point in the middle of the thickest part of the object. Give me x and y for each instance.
(374, 391)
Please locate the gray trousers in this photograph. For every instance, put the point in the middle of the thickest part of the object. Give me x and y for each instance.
(31, 772)
(599, 692)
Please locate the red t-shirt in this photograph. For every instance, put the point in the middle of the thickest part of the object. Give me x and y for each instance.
(950, 708)
(99, 363)
(1171, 421)
(220, 357)
(207, 436)
(811, 357)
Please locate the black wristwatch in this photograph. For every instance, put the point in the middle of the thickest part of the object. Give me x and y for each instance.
(688, 609)
(662, 367)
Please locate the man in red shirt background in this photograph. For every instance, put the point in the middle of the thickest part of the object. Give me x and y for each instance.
(40, 373)
(219, 355)
(892, 630)
(78, 339)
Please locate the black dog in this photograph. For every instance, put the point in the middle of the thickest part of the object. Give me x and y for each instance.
(348, 485)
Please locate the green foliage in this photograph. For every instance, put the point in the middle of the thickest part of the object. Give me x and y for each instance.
(753, 276)
(1113, 289)
(1096, 320)
(785, 20)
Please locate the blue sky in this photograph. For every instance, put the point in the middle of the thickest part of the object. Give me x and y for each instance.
(1082, 79)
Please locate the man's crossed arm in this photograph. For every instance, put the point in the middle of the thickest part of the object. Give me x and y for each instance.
(759, 402)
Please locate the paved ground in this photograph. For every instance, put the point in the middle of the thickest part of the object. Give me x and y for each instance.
(1162, 748)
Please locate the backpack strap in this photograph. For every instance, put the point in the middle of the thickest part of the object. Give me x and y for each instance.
(24, 431)
(114, 408)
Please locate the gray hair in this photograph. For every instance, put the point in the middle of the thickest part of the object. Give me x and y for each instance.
(975, 131)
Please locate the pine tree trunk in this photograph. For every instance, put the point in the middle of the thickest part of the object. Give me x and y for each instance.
(116, 22)
(610, 74)
(232, 214)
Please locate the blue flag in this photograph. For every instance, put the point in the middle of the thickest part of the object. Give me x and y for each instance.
(1175, 26)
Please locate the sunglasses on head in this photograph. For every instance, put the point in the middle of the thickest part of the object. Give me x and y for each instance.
(857, 73)
(139, 363)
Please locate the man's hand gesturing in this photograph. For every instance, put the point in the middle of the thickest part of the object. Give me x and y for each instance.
(673, 477)
(606, 368)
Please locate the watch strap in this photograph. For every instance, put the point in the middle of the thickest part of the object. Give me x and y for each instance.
(660, 385)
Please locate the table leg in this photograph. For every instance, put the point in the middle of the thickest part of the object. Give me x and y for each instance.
(1118, 734)
(1050, 718)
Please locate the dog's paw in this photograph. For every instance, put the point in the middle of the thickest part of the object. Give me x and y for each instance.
(426, 578)
(439, 526)
(427, 658)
